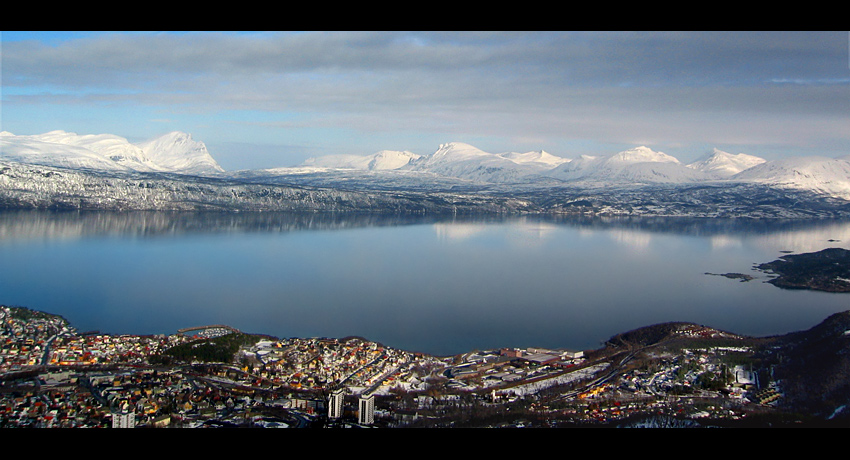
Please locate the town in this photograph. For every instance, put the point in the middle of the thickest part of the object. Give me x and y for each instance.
(216, 376)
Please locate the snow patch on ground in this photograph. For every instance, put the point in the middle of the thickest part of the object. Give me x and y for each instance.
(581, 374)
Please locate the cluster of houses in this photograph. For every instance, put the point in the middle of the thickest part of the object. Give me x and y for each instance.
(53, 377)
(24, 337)
(321, 363)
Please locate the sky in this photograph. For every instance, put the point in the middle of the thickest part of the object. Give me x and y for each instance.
(272, 99)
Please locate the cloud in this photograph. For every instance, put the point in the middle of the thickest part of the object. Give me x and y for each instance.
(612, 86)
(539, 58)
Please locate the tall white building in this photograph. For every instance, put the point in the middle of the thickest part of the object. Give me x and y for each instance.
(366, 414)
(123, 420)
(335, 403)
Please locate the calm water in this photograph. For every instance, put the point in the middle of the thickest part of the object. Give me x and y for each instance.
(425, 285)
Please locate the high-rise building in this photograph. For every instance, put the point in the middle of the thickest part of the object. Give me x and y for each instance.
(366, 414)
(335, 403)
(123, 420)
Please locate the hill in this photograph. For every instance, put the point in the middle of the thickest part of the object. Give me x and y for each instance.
(814, 366)
(827, 270)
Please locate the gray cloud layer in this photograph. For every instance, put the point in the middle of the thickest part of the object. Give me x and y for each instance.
(584, 58)
(790, 87)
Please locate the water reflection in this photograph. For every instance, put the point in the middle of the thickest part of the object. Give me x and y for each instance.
(24, 225)
(631, 238)
(448, 231)
(440, 285)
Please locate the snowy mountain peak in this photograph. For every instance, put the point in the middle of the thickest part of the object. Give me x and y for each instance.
(173, 152)
(640, 155)
(639, 165)
(382, 160)
(723, 164)
(109, 146)
(823, 175)
(457, 149)
(172, 139)
(175, 138)
(391, 159)
(540, 157)
(178, 152)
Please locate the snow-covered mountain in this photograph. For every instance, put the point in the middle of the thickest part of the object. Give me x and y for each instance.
(45, 150)
(453, 166)
(637, 165)
(383, 160)
(174, 152)
(829, 176)
(30, 186)
(464, 161)
(71, 150)
(178, 152)
(455, 159)
(723, 165)
(540, 159)
(640, 154)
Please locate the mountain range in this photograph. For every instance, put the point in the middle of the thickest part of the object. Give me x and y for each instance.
(454, 168)
(636, 166)
(174, 152)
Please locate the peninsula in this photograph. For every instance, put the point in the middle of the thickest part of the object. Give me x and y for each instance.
(827, 270)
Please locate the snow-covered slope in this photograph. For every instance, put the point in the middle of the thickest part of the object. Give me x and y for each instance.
(338, 162)
(110, 146)
(722, 164)
(455, 159)
(178, 152)
(383, 160)
(173, 152)
(640, 154)
(71, 150)
(455, 152)
(464, 161)
(819, 174)
(539, 159)
(649, 173)
(637, 165)
(453, 165)
(36, 150)
(391, 159)
(28, 186)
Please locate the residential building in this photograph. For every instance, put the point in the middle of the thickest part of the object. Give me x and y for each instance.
(335, 403)
(366, 412)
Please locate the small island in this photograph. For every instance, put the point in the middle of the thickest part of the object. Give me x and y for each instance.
(827, 270)
(734, 276)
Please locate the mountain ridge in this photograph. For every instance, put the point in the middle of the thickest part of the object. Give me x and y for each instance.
(634, 181)
(723, 164)
(174, 152)
(178, 152)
